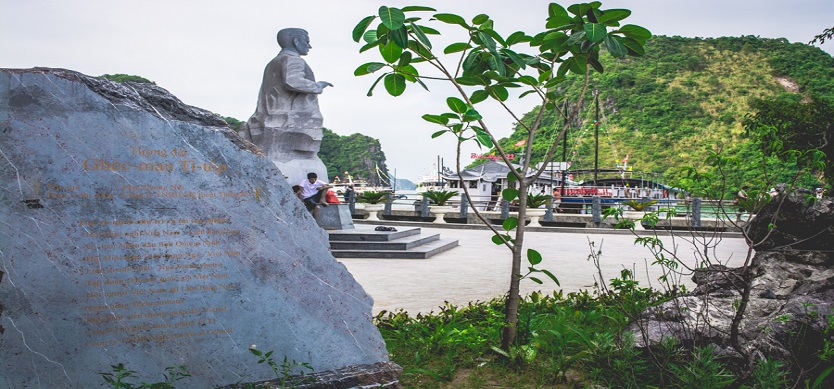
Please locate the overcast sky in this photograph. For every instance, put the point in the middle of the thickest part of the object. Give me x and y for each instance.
(211, 53)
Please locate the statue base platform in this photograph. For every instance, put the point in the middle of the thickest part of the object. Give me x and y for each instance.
(335, 217)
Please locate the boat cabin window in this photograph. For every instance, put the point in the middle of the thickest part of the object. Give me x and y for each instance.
(473, 184)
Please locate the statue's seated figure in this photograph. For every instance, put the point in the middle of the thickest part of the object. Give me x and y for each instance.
(287, 123)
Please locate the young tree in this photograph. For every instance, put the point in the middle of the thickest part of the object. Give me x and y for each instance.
(486, 65)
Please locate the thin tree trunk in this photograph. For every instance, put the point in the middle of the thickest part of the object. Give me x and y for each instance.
(513, 296)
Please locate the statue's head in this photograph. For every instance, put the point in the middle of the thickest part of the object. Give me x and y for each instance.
(295, 39)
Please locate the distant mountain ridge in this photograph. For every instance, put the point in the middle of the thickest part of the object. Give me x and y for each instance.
(684, 97)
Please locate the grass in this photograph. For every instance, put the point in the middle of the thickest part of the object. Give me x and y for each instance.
(564, 341)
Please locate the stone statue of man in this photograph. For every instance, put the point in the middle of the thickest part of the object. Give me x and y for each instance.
(287, 123)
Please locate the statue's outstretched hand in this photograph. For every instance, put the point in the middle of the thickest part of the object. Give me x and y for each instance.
(324, 84)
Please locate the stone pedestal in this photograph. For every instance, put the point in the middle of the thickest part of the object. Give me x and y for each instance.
(335, 217)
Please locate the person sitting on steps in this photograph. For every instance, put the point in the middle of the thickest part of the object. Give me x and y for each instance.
(312, 193)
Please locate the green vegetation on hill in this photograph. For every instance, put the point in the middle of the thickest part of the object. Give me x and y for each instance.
(356, 153)
(684, 98)
(126, 77)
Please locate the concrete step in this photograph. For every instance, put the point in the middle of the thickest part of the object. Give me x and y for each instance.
(366, 233)
(403, 243)
(420, 252)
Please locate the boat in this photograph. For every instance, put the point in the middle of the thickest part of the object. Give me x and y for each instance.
(360, 186)
(430, 183)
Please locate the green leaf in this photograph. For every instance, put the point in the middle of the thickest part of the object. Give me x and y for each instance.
(412, 8)
(400, 37)
(637, 33)
(472, 80)
(392, 18)
(451, 19)
(510, 223)
(497, 240)
(480, 19)
(391, 52)
(395, 84)
(456, 47)
(515, 58)
(371, 90)
(595, 32)
(370, 36)
(405, 59)
(421, 36)
(565, 67)
(560, 22)
(634, 48)
(594, 62)
(534, 257)
(420, 50)
(456, 105)
(487, 26)
(536, 280)
(526, 93)
(472, 115)
(528, 80)
(579, 9)
(360, 28)
(478, 96)
(429, 31)
(617, 49)
(368, 68)
(509, 194)
(552, 277)
(484, 138)
(611, 16)
(556, 10)
(578, 65)
(576, 38)
(487, 41)
(511, 177)
(515, 37)
(436, 119)
(438, 133)
(409, 72)
(472, 62)
(498, 92)
(551, 83)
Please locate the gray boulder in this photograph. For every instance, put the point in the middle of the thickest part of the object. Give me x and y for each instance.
(791, 291)
(136, 229)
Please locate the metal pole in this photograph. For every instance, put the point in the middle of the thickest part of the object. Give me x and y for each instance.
(596, 135)
(564, 152)
(438, 170)
(442, 170)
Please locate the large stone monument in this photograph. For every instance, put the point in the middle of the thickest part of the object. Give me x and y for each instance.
(136, 229)
(287, 123)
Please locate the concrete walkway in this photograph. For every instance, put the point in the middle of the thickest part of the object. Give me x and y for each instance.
(479, 270)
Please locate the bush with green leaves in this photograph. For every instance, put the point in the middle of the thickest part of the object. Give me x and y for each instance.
(373, 197)
(639, 205)
(440, 197)
(284, 371)
(537, 200)
(485, 64)
(123, 378)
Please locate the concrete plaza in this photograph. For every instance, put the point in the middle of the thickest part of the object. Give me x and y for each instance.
(479, 270)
